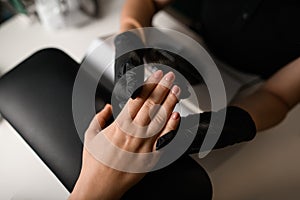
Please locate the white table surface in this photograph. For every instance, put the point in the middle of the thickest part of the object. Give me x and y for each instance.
(266, 168)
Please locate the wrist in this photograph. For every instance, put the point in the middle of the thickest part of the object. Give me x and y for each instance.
(128, 24)
(84, 190)
(125, 26)
(95, 185)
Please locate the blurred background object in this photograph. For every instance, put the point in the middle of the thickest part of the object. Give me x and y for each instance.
(53, 14)
(90, 7)
(19, 6)
(6, 11)
(58, 14)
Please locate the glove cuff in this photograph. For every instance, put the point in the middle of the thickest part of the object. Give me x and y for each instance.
(238, 127)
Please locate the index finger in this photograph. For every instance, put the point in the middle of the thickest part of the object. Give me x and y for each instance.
(156, 97)
(134, 105)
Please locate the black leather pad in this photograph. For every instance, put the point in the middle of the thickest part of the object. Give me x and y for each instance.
(36, 98)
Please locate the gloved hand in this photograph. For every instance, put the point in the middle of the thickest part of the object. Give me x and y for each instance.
(126, 60)
(238, 127)
(125, 86)
(186, 69)
(158, 58)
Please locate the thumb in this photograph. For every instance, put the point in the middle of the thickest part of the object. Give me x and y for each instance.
(104, 115)
(98, 123)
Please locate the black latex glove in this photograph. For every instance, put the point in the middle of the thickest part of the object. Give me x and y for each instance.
(125, 86)
(126, 63)
(172, 60)
(238, 127)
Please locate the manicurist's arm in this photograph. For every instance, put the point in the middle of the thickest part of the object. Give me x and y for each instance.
(269, 105)
(139, 13)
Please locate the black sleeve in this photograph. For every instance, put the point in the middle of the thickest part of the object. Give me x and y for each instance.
(238, 127)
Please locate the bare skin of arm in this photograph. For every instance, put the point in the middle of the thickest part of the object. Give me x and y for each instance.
(138, 14)
(272, 101)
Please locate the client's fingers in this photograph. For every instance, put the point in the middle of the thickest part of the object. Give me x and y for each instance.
(150, 84)
(104, 115)
(135, 104)
(171, 100)
(160, 118)
(156, 97)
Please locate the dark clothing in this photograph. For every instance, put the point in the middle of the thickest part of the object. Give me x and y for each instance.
(256, 36)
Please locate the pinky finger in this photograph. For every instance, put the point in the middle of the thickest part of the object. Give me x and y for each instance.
(168, 133)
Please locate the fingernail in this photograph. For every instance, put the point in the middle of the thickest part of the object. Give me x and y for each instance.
(175, 116)
(169, 76)
(158, 74)
(176, 90)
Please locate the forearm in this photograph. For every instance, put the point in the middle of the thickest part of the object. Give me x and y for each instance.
(269, 105)
(139, 13)
(265, 109)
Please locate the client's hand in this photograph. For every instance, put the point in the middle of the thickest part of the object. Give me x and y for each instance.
(135, 130)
